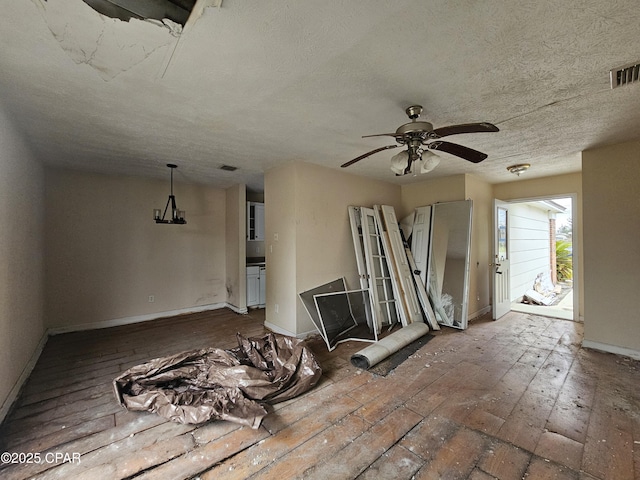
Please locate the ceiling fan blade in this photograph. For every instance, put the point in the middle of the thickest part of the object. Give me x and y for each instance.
(380, 135)
(465, 128)
(357, 159)
(467, 153)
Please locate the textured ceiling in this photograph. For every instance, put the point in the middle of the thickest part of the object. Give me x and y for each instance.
(256, 83)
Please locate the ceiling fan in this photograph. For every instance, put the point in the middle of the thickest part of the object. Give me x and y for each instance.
(418, 136)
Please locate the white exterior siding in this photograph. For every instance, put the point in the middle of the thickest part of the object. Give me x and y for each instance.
(529, 246)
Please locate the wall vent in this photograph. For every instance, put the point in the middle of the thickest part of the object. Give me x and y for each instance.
(228, 168)
(623, 75)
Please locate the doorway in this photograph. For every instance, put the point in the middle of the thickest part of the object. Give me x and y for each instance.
(540, 274)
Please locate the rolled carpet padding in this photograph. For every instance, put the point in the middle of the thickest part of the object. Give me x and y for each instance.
(375, 353)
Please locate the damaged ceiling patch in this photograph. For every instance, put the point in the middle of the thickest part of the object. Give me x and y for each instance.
(177, 11)
(109, 45)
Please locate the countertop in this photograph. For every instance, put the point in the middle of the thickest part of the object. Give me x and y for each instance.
(255, 261)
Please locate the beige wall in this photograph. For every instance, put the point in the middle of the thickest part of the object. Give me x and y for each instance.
(557, 186)
(481, 249)
(446, 189)
(21, 261)
(280, 239)
(610, 179)
(235, 251)
(306, 206)
(105, 256)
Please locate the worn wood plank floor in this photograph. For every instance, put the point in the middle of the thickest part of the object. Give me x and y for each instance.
(511, 399)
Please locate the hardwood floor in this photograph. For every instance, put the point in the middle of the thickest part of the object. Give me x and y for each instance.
(511, 399)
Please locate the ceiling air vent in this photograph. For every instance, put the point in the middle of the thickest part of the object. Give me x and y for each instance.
(623, 75)
(228, 168)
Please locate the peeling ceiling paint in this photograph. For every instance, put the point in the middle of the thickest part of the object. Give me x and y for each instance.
(257, 83)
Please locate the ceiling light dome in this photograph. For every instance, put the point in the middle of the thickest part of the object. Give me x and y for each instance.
(518, 168)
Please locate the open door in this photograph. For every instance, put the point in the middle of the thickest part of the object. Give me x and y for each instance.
(501, 272)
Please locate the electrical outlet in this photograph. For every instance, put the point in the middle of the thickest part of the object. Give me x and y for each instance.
(276, 307)
(152, 298)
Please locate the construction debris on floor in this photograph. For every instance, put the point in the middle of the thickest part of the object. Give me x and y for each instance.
(544, 292)
(394, 261)
(208, 384)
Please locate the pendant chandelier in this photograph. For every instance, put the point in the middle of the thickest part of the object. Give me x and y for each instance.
(177, 216)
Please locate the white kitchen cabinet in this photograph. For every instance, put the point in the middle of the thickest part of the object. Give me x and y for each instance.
(255, 221)
(256, 285)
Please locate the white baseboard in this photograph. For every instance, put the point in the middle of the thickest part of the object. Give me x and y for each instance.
(15, 391)
(277, 329)
(116, 322)
(479, 313)
(604, 347)
(282, 331)
(241, 311)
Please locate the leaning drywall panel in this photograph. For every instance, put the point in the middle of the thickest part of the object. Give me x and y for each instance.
(422, 293)
(405, 277)
(391, 268)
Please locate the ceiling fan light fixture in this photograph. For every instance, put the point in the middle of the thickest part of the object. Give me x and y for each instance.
(417, 135)
(399, 162)
(518, 168)
(429, 162)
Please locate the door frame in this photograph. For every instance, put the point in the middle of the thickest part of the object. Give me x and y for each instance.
(576, 243)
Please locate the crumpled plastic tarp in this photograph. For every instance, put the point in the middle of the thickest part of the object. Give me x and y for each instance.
(210, 384)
